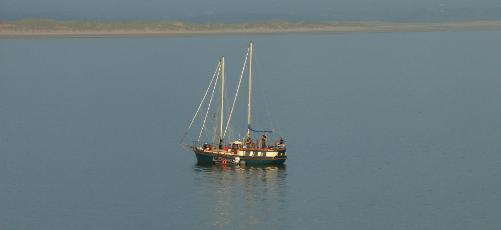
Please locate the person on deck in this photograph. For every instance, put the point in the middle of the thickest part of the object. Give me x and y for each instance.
(281, 143)
(248, 142)
(263, 141)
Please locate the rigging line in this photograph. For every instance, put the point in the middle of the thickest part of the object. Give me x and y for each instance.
(214, 120)
(236, 93)
(201, 102)
(264, 96)
(210, 102)
(267, 107)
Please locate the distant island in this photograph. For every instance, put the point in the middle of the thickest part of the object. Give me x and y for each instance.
(53, 28)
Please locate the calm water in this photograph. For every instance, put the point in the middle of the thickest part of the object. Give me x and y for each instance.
(385, 131)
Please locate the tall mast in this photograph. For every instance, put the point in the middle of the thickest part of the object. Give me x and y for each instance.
(222, 99)
(249, 107)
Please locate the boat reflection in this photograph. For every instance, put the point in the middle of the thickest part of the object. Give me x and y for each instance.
(243, 196)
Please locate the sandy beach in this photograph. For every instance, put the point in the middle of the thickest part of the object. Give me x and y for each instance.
(106, 29)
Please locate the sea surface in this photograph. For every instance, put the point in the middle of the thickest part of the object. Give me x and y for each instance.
(384, 131)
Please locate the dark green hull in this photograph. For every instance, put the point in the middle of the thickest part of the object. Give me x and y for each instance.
(207, 158)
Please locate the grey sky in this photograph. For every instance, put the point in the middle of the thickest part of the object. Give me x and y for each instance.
(238, 10)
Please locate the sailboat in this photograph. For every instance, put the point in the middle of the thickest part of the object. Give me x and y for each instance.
(253, 148)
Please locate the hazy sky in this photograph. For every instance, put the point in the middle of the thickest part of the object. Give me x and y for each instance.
(237, 10)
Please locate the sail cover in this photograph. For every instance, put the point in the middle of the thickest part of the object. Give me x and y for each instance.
(259, 131)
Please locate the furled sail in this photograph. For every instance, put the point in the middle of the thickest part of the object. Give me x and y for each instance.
(258, 130)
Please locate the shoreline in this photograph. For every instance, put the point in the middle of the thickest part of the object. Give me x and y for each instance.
(13, 30)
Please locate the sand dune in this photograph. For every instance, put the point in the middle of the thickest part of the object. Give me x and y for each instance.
(49, 28)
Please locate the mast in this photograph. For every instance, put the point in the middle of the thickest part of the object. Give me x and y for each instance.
(222, 101)
(249, 113)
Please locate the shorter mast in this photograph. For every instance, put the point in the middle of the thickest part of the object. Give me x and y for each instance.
(222, 103)
(249, 105)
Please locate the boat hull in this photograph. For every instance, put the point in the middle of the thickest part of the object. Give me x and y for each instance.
(204, 157)
(264, 162)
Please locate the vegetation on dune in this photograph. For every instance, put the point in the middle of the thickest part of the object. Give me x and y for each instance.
(54, 25)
